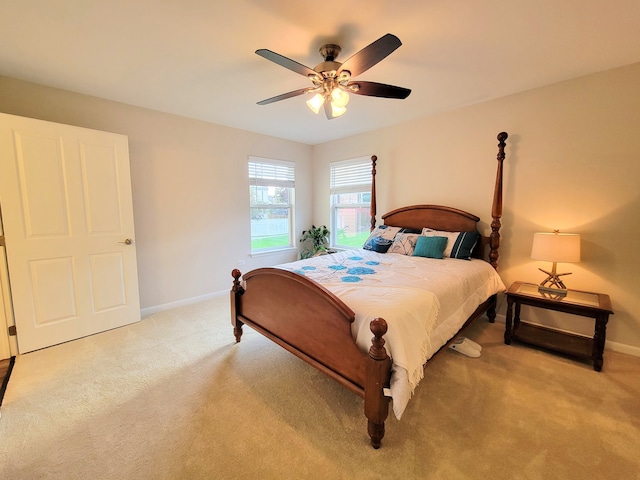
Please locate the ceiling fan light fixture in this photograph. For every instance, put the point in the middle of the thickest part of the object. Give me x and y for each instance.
(332, 80)
(315, 103)
(337, 111)
(339, 98)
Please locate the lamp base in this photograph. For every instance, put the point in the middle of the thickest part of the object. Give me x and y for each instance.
(556, 293)
(553, 278)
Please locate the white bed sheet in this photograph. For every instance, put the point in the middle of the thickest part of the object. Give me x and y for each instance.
(424, 301)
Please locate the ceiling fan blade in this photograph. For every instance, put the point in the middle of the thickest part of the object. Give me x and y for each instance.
(371, 54)
(286, 62)
(374, 89)
(284, 96)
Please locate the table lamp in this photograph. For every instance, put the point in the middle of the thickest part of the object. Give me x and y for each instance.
(555, 247)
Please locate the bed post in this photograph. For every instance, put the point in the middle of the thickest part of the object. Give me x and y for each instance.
(373, 192)
(236, 291)
(376, 404)
(496, 209)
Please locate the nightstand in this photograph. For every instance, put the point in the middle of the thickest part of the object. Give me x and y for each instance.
(576, 302)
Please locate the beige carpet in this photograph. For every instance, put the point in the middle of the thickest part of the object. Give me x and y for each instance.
(174, 397)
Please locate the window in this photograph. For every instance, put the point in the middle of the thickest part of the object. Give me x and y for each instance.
(271, 190)
(350, 202)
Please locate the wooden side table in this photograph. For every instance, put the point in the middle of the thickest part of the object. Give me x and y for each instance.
(576, 302)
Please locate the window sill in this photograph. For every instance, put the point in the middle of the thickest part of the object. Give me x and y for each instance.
(274, 252)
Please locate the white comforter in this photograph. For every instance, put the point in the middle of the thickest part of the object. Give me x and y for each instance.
(424, 301)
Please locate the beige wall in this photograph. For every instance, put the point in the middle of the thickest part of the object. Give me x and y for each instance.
(573, 163)
(190, 188)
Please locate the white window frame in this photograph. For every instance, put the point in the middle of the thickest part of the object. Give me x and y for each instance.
(348, 177)
(269, 173)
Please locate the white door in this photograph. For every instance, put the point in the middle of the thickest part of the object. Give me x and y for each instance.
(67, 213)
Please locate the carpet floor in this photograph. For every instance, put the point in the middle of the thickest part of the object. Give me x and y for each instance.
(173, 397)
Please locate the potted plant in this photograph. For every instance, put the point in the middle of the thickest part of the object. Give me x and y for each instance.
(314, 240)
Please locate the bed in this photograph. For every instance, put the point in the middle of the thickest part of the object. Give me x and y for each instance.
(310, 310)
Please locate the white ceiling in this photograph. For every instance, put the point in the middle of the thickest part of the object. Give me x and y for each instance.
(196, 57)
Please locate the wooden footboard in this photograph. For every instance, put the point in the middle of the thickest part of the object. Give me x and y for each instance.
(312, 323)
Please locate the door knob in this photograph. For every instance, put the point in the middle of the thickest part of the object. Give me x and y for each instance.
(128, 241)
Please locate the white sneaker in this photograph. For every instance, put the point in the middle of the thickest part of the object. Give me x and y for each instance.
(466, 347)
(475, 345)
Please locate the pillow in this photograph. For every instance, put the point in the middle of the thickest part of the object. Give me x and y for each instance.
(377, 244)
(411, 230)
(404, 243)
(382, 231)
(460, 244)
(430, 247)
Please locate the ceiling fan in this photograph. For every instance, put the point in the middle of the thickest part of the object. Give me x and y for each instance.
(332, 80)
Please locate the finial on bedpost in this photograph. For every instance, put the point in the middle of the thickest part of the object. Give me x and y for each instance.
(374, 159)
(496, 209)
(237, 287)
(378, 327)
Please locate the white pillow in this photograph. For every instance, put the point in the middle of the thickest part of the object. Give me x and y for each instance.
(384, 231)
(404, 243)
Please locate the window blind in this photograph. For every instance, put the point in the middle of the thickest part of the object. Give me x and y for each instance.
(351, 176)
(271, 173)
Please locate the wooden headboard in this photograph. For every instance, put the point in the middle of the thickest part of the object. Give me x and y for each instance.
(434, 216)
(438, 217)
(448, 218)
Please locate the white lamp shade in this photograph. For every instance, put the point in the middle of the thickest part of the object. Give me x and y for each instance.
(316, 102)
(339, 98)
(556, 247)
(337, 111)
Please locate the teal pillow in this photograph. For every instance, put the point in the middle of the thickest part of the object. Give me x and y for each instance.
(430, 247)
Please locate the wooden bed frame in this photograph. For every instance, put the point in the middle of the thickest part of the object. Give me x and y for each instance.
(315, 325)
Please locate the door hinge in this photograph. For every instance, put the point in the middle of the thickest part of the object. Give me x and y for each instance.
(12, 331)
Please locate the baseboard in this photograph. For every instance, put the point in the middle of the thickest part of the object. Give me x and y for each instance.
(622, 348)
(609, 345)
(145, 312)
